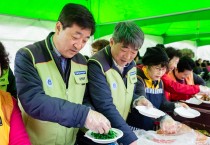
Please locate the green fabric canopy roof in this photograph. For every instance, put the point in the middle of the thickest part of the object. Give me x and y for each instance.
(174, 20)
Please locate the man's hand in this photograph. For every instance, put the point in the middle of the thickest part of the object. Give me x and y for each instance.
(168, 125)
(97, 122)
(142, 101)
(204, 90)
(134, 143)
(179, 104)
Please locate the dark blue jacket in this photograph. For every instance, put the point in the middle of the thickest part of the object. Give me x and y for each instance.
(101, 97)
(33, 98)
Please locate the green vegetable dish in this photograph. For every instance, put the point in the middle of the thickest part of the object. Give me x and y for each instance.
(110, 135)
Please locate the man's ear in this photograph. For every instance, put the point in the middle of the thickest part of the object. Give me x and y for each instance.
(111, 42)
(58, 27)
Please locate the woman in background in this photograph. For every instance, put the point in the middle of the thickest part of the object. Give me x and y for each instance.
(12, 130)
(7, 79)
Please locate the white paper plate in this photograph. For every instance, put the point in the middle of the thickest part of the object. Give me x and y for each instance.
(105, 141)
(207, 102)
(187, 112)
(150, 112)
(194, 101)
(199, 98)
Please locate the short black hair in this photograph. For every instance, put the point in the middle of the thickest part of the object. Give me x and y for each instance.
(77, 14)
(185, 63)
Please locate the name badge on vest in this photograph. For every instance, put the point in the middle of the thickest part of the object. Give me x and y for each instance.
(1, 121)
(133, 78)
(132, 73)
(80, 72)
(81, 77)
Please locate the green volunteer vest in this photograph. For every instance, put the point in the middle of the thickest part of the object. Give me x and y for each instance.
(4, 80)
(122, 96)
(48, 133)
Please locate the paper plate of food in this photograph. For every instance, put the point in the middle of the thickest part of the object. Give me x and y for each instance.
(150, 112)
(113, 135)
(187, 112)
(204, 98)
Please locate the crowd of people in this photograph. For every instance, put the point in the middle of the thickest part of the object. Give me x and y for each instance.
(63, 93)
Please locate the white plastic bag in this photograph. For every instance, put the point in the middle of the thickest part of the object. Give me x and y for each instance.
(152, 138)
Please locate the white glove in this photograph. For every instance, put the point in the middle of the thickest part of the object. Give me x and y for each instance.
(97, 122)
(179, 104)
(134, 143)
(204, 90)
(142, 101)
(168, 125)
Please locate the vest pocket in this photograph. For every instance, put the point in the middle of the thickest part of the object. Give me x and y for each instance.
(133, 79)
(81, 79)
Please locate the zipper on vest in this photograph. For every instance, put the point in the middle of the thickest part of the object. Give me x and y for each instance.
(125, 102)
(67, 93)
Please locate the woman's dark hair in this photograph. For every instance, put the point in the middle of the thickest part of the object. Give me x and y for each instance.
(203, 64)
(4, 57)
(172, 52)
(160, 45)
(100, 44)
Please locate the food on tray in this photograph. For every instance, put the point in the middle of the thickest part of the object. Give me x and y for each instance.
(163, 141)
(110, 135)
(205, 97)
(200, 138)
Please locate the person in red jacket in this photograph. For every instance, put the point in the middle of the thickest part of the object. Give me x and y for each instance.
(12, 130)
(183, 75)
(171, 86)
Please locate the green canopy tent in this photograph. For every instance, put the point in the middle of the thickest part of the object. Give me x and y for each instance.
(173, 20)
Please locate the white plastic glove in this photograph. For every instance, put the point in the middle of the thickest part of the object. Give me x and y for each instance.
(97, 122)
(204, 90)
(134, 143)
(168, 125)
(142, 101)
(179, 104)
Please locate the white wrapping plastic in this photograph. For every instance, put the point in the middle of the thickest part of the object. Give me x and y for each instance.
(152, 138)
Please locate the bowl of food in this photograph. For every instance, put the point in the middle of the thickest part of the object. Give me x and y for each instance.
(112, 136)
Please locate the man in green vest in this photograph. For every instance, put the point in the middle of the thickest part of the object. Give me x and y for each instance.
(51, 77)
(112, 78)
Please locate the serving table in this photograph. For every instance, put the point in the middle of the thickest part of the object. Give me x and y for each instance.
(202, 122)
